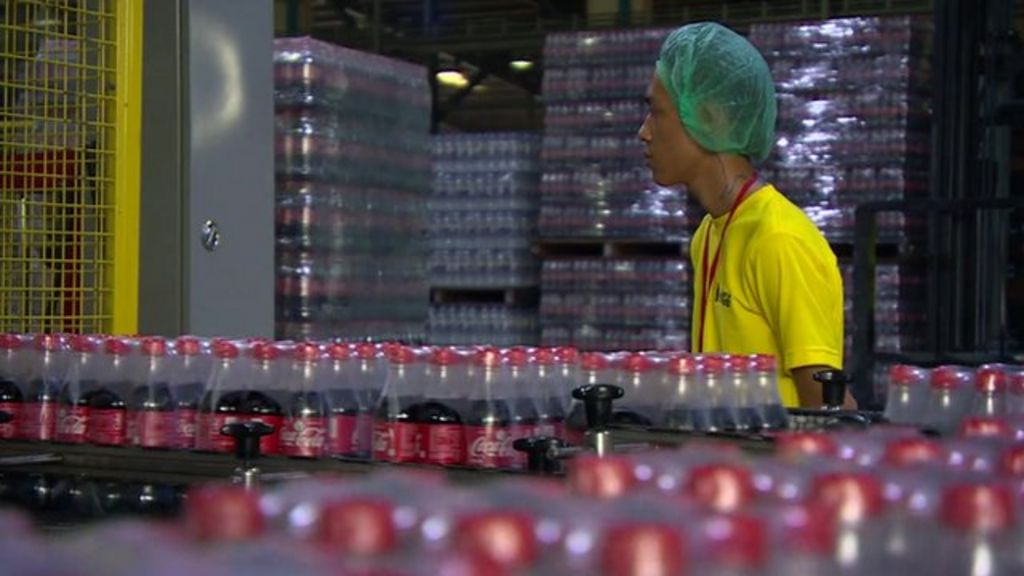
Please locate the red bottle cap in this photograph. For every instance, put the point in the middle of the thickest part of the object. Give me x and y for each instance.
(487, 357)
(947, 378)
(402, 355)
(642, 549)
(636, 364)
(567, 355)
(517, 357)
(83, 344)
(339, 351)
(851, 497)
(985, 427)
(366, 351)
(544, 357)
(737, 540)
(224, 349)
(990, 380)
(223, 513)
(978, 508)
(594, 361)
(9, 341)
(604, 477)
(903, 375)
(117, 347)
(48, 342)
(713, 364)
(682, 365)
(503, 537)
(800, 444)
(264, 351)
(1012, 461)
(188, 346)
(721, 487)
(154, 346)
(739, 363)
(446, 356)
(361, 527)
(764, 363)
(912, 451)
(306, 352)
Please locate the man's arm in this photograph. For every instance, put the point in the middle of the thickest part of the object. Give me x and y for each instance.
(809, 391)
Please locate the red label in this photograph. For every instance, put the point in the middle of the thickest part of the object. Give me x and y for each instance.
(72, 424)
(305, 437)
(443, 444)
(9, 431)
(364, 433)
(208, 436)
(107, 426)
(39, 421)
(485, 446)
(341, 435)
(185, 428)
(516, 459)
(153, 429)
(396, 441)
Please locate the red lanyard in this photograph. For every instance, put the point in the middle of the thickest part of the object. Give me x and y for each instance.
(707, 279)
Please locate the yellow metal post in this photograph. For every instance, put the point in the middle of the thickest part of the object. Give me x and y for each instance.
(127, 167)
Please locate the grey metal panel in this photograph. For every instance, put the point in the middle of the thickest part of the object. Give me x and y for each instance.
(161, 290)
(230, 163)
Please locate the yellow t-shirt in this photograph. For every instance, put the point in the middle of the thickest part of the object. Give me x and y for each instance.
(777, 290)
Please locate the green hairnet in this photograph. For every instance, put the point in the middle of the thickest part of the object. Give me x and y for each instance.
(722, 88)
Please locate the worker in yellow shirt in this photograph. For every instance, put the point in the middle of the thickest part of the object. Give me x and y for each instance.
(765, 279)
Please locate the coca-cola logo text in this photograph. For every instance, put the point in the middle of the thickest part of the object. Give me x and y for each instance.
(488, 446)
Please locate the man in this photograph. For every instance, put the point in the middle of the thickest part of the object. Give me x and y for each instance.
(766, 281)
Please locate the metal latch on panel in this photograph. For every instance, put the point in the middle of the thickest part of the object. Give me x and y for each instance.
(210, 235)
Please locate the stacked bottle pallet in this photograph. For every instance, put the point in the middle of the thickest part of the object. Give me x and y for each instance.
(595, 185)
(353, 176)
(621, 303)
(854, 117)
(483, 219)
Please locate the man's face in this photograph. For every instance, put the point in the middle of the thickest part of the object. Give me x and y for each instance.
(671, 153)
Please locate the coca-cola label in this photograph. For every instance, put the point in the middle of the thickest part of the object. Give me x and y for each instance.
(208, 436)
(517, 459)
(444, 444)
(396, 441)
(154, 429)
(185, 428)
(9, 431)
(107, 426)
(72, 424)
(485, 446)
(363, 441)
(341, 435)
(304, 437)
(271, 443)
(38, 421)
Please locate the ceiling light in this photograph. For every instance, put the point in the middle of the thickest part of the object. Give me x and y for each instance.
(521, 65)
(452, 78)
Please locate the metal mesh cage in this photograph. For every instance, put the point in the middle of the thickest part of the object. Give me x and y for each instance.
(68, 164)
